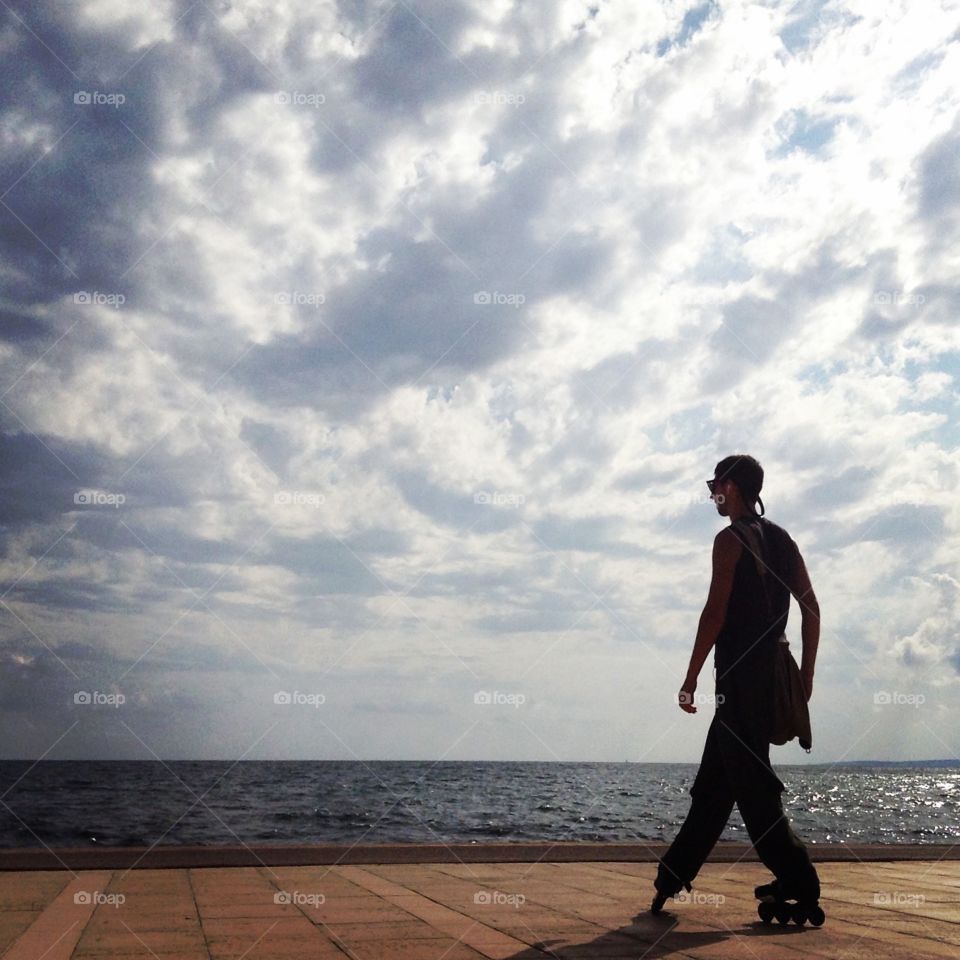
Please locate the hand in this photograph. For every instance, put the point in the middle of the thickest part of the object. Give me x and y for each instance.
(685, 696)
(807, 685)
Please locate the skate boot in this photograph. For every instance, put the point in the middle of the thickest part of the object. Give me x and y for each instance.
(777, 903)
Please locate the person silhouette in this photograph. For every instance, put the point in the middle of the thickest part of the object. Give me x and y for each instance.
(744, 625)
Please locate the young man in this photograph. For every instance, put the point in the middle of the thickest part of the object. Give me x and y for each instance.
(745, 617)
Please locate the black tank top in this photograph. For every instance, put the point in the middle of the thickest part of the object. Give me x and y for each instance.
(751, 627)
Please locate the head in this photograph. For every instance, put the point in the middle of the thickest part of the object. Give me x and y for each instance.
(736, 485)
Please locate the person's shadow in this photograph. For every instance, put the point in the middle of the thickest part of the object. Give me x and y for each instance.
(649, 937)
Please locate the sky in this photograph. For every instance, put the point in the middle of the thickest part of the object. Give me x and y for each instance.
(361, 365)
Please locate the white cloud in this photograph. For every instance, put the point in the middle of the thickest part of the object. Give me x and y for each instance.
(700, 229)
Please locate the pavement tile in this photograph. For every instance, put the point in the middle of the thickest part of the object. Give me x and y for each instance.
(432, 911)
(414, 949)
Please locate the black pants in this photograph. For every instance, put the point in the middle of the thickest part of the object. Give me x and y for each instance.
(736, 769)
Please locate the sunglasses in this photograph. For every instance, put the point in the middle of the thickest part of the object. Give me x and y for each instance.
(712, 484)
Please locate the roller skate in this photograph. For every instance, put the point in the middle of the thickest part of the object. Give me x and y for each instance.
(776, 904)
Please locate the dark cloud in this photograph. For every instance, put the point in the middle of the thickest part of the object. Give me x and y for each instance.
(412, 66)
(939, 181)
(591, 534)
(916, 528)
(474, 510)
(848, 486)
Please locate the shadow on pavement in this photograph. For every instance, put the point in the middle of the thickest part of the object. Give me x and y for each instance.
(647, 937)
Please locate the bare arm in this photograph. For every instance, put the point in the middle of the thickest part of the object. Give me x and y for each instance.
(802, 589)
(726, 552)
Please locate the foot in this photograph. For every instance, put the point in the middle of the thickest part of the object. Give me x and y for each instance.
(661, 898)
(767, 890)
(775, 892)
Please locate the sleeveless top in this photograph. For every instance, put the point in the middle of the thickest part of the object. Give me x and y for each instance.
(751, 627)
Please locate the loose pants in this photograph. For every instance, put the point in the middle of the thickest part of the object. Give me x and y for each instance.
(736, 769)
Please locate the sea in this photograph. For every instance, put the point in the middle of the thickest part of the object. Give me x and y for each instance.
(69, 803)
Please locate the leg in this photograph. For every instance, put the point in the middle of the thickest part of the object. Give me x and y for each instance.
(780, 849)
(710, 809)
(758, 793)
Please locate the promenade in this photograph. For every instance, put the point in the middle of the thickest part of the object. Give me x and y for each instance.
(438, 902)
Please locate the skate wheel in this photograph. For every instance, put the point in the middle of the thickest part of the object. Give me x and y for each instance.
(765, 910)
(799, 915)
(783, 915)
(817, 916)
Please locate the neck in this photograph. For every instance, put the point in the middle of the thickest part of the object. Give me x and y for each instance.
(738, 511)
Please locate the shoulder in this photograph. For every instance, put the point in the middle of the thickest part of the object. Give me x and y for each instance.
(781, 540)
(776, 531)
(727, 544)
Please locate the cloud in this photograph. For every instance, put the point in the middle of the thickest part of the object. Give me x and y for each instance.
(935, 643)
(385, 348)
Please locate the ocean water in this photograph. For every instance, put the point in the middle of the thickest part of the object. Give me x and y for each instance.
(86, 803)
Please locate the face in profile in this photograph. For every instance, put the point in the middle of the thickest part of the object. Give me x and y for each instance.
(718, 490)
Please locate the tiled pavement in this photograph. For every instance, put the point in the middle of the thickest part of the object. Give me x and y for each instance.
(453, 911)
